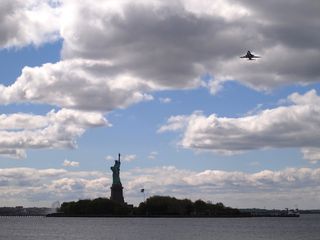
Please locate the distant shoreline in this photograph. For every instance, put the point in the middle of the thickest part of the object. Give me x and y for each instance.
(167, 216)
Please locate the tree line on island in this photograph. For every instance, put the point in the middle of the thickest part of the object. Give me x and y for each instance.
(153, 206)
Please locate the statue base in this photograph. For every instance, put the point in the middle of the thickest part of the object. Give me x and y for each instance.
(117, 193)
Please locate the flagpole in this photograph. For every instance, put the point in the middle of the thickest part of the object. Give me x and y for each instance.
(142, 190)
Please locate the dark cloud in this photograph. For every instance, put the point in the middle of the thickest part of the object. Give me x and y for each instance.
(159, 45)
(170, 46)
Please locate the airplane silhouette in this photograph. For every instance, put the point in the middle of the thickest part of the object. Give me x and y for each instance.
(250, 56)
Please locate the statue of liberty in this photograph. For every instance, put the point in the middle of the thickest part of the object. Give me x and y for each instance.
(116, 172)
(116, 188)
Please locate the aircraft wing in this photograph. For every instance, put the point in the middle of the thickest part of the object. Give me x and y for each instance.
(244, 56)
(254, 56)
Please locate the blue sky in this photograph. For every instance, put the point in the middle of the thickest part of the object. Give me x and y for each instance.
(161, 83)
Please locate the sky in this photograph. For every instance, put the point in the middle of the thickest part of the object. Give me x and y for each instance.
(160, 82)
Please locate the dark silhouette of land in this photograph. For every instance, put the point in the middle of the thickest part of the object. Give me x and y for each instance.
(156, 206)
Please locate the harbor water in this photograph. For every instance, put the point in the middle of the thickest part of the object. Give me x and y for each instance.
(306, 227)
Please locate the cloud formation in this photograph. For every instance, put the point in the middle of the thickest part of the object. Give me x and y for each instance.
(233, 188)
(24, 22)
(129, 157)
(153, 155)
(121, 51)
(76, 84)
(117, 53)
(292, 126)
(109, 158)
(57, 129)
(44, 186)
(68, 163)
(165, 100)
(171, 44)
(125, 157)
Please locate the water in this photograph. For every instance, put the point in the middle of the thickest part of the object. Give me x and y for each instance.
(307, 227)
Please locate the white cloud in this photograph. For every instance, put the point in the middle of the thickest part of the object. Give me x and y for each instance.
(153, 155)
(32, 186)
(13, 153)
(109, 158)
(278, 188)
(55, 130)
(282, 127)
(129, 157)
(126, 157)
(175, 123)
(24, 22)
(228, 10)
(165, 100)
(311, 154)
(22, 121)
(68, 163)
(90, 85)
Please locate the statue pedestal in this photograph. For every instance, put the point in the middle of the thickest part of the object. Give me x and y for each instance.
(117, 193)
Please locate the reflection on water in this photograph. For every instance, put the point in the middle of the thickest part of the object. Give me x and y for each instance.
(307, 227)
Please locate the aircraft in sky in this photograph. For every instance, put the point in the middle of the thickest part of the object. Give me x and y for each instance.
(250, 56)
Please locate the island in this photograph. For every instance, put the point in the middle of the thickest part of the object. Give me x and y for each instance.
(155, 206)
